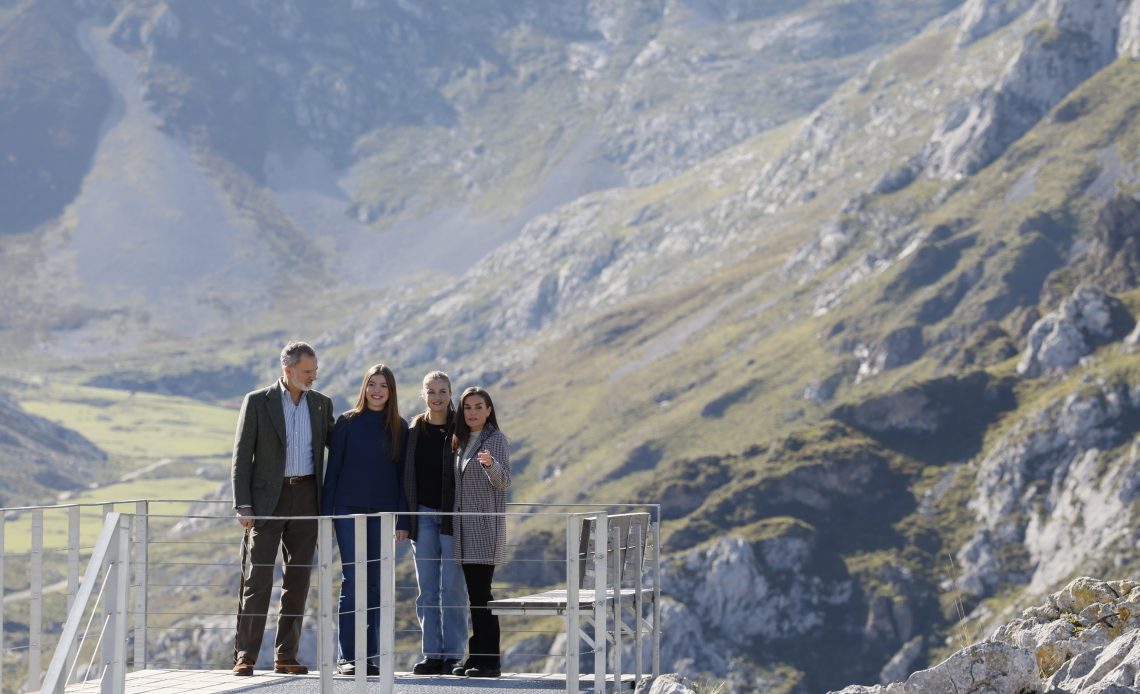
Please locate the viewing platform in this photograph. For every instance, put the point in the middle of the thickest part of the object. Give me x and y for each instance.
(219, 681)
(144, 593)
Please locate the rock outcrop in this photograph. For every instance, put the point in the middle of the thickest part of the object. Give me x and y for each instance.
(670, 683)
(1129, 42)
(1084, 321)
(980, 18)
(1056, 487)
(1072, 40)
(1082, 639)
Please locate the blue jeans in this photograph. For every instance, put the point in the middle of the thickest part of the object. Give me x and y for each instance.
(346, 539)
(442, 603)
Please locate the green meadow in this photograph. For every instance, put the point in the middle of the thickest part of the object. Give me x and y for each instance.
(158, 446)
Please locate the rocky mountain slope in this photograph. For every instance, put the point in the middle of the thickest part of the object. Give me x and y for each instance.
(209, 145)
(42, 458)
(850, 288)
(931, 392)
(1082, 638)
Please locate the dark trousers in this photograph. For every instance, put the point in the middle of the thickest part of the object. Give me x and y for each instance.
(345, 529)
(483, 646)
(297, 540)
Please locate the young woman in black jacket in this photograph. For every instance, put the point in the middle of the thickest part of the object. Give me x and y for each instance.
(429, 485)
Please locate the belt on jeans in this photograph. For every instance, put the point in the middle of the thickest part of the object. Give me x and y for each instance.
(299, 479)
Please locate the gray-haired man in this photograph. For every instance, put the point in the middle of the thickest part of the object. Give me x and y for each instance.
(278, 465)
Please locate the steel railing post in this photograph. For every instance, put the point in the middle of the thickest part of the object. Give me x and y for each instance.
(142, 549)
(601, 533)
(360, 600)
(573, 538)
(615, 581)
(657, 593)
(73, 546)
(387, 646)
(108, 509)
(326, 650)
(122, 588)
(72, 554)
(36, 606)
(637, 534)
(114, 647)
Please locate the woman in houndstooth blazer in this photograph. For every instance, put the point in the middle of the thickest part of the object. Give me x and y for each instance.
(482, 478)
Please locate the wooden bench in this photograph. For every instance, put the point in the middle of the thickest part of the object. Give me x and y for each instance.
(620, 567)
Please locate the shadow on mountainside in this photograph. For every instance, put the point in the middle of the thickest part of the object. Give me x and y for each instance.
(936, 421)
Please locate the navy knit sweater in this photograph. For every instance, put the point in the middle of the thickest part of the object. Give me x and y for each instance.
(361, 473)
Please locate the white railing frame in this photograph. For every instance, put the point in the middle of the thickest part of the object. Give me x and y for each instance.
(54, 679)
(326, 647)
(124, 539)
(141, 523)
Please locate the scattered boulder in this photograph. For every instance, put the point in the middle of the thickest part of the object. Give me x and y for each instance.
(1133, 339)
(669, 683)
(897, 348)
(981, 668)
(900, 663)
(1086, 320)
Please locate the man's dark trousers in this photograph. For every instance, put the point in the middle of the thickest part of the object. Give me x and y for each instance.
(298, 541)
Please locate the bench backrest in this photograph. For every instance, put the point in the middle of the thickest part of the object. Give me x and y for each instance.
(632, 532)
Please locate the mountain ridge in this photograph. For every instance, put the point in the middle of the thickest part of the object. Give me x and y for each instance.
(870, 353)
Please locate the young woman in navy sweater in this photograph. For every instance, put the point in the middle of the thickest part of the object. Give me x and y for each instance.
(364, 475)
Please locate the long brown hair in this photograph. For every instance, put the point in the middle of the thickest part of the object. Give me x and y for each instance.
(392, 407)
(462, 433)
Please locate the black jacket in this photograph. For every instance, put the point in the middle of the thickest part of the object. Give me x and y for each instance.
(447, 478)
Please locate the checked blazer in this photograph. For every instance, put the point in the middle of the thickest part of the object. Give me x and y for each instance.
(482, 539)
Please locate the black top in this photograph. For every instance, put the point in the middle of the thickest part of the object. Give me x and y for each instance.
(421, 477)
(430, 461)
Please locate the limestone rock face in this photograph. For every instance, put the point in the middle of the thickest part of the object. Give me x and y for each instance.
(898, 666)
(1057, 487)
(1084, 638)
(980, 18)
(728, 586)
(1071, 40)
(1129, 41)
(985, 667)
(1059, 339)
(730, 594)
(665, 684)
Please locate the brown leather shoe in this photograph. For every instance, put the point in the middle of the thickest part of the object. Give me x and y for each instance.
(243, 668)
(289, 666)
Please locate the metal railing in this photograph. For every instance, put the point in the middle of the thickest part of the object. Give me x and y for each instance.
(111, 627)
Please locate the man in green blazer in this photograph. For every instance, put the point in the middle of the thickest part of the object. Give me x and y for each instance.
(278, 466)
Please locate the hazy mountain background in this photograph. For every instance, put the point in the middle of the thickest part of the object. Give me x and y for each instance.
(849, 287)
